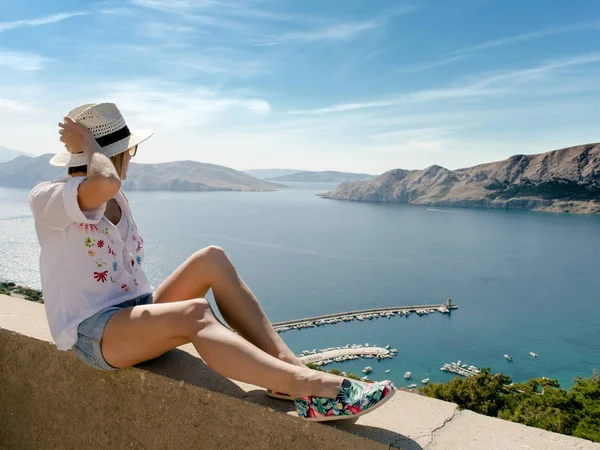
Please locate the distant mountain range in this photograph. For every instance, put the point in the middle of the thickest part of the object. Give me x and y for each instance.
(566, 180)
(328, 176)
(264, 174)
(6, 154)
(26, 172)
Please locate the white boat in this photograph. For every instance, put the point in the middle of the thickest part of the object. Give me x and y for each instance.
(387, 371)
(425, 380)
(535, 355)
(510, 358)
(412, 386)
(368, 369)
(407, 375)
(364, 378)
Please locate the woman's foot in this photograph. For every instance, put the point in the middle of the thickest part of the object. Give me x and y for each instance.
(354, 399)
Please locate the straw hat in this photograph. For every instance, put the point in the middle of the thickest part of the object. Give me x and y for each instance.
(109, 129)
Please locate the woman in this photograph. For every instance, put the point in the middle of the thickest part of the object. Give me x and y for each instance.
(100, 304)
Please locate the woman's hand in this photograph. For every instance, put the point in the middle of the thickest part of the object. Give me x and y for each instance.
(76, 137)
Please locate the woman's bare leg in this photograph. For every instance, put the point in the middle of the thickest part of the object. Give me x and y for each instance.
(211, 269)
(136, 334)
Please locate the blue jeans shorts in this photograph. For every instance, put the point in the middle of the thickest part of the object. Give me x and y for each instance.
(89, 333)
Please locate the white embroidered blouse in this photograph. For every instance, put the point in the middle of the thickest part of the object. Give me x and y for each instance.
(85, 265)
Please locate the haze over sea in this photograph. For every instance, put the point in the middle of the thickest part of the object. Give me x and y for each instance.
(523, 281)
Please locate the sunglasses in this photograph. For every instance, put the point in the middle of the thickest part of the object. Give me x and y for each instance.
(133, 151)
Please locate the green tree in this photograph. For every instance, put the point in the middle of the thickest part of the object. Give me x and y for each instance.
(481, 393)
(586, 395)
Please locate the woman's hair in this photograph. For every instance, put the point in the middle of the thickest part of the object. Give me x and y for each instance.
(117, 161)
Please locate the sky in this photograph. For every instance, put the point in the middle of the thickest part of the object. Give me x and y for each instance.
(361, 86)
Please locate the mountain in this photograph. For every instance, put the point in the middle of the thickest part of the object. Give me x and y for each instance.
(26, 172)
(328, 176)
(264, 174)
(192, 176)
(566, 180)
(6, 154)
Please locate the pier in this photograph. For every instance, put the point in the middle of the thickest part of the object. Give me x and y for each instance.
(363, 314)
(345, 354)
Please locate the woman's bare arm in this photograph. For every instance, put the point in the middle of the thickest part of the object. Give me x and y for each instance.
(103, 181)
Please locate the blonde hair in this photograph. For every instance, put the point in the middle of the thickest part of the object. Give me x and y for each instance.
(117, 161)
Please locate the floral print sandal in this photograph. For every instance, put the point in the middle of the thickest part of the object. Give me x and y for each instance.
(353, 400)
(279, 395)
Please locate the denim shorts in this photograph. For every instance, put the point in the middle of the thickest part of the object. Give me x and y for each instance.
(89, 333)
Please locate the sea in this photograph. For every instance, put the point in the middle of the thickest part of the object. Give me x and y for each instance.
(523, 281)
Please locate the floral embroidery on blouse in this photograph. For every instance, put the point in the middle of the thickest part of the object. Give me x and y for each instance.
(138, 259)
(92, 253)
(89, 241)
(100, 243)
(115, 266)
(125, 288)
(101, 276)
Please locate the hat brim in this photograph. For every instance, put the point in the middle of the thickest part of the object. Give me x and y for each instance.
(68, 159)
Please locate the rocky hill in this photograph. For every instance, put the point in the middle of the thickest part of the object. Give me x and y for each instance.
(6, 154)
(328, 176)
(566, 180)
(26, 172)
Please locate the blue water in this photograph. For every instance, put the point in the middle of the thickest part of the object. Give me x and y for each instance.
(523, 281)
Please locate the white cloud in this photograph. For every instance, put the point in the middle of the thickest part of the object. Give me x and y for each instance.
(170, 105)
(430, 65)
(336, 32)
(40, 20)
(526, 37)
(22, 61)
(13, 105)
(485, 86)
(178, 6)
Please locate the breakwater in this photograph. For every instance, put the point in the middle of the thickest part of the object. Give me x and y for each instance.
(361, 315)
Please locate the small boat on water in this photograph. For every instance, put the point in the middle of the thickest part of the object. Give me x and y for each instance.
(368, 369)
(412, 386)
(407, 375)
(364, 378)
(425, 380)
(387, 371)
(535, 355)
(508, 357)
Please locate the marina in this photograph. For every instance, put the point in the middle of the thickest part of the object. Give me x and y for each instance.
(364, 314)
(459, 368)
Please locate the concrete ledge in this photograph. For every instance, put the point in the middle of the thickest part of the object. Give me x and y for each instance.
(50, 399)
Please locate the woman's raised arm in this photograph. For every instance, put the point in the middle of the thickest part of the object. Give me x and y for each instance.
(103, 181)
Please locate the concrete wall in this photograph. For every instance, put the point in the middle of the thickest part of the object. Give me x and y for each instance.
(50, 399)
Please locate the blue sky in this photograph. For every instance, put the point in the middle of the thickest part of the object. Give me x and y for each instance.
(349, 85)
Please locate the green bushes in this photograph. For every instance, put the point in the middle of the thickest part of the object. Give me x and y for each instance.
(8, 288)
